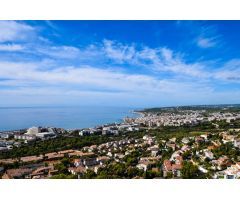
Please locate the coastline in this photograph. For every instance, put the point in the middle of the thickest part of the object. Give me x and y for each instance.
(93, 119)
(141, 113)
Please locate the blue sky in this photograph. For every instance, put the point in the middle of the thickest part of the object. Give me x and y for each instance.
(119, 63)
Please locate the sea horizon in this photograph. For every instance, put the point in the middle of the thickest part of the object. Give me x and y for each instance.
(67, 117)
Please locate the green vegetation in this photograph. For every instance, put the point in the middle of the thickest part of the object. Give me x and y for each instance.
(62, 167)
(63, 143)
(208, 108)
(118, 171)
(190, 171)
(77, 142)
(64, 176)
(228, 150)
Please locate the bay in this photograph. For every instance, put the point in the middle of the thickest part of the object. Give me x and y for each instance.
(14, 118)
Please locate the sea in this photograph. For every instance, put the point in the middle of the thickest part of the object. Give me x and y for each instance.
(15, 118)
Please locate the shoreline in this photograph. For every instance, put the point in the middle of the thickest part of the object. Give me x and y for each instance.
(122, 120)
(141, 113)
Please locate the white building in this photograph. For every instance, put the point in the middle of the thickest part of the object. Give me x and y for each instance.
(33, 131)
(237, 143)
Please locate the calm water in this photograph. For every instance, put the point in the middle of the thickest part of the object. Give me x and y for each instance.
(64, 117)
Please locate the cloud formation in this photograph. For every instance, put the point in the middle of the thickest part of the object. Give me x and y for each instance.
(11, 47)
(107, 72)
(15, 31)
(206, 42)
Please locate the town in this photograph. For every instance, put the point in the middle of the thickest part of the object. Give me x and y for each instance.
(161, 143)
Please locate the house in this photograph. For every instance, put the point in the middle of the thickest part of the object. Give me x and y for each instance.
(89, 162)
(143, 166)
(202, 169)
(175, 154)
(41, 172)
(232, 172)
(31, 158)
(211, 147)
(119, 155)
(110, 154)
(171, 145)
(66, 151)
(176, 169)
(222, 162)
(178, 160)
(80, 170)
(78, 162)
(205, 136)
(173, 140)
(96, 168)
(76, 154)
(102, 159)
(185, 140)
(146, 163)
(236, 143)
(53, 156)
(154, 150)
(173, 167)
(208, 154)
(92, 148)
(6, 135)
(199, 139)
(228, 138)
(8, 161)
(185, 148)
(216, 143)
(167, 165)
(17, 173)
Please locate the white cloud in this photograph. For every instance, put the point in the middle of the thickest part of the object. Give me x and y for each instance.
(230, 71)
(11, 47)
(118, 51)
(90, 83)
(159, 59)
(206, 42)
(64, 52)
(50, 77)
(85, 78)
(15, 31)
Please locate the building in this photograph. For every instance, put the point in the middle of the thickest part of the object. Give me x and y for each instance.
(237, 143)
(25, 137)
(45, 135)
(17, 173)
(33, 131)
(90, 162)
(77, 170)
(173, 168)
(102, 159)
(31, 158)
(208, 154)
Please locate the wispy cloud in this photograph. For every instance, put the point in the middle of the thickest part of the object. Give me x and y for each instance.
(230, 72)
(11, 47)
(15, 31)
(64, 52)
(104, 70)
(158, 59)
(206, 42)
